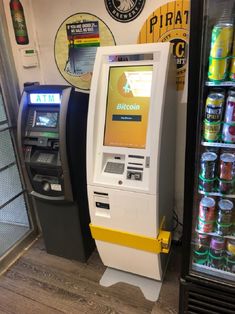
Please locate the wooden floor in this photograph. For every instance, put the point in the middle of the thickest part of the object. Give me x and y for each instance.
(45, 284)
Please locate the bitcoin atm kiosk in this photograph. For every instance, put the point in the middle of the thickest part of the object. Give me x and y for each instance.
(130, 156)
(51, 140)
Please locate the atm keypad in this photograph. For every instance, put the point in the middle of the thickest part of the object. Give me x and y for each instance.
(114, 167)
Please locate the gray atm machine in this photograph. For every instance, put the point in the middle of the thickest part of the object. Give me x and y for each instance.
(52, 144)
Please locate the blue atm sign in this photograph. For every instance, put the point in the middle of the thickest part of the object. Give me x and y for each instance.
(44, 98)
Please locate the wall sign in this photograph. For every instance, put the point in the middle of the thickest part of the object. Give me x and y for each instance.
(124, 10)
(75, 47)
(170, 22)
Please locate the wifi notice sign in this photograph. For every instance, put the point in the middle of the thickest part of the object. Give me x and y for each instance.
(124, 10)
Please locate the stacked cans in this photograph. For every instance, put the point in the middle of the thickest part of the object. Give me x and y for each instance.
(221, 43)
(224, 217)
(216, 125)
(211, 247)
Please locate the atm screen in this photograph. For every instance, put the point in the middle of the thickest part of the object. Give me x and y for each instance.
(127, 108)
(46, 119)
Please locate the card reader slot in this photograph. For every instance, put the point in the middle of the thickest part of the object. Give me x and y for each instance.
(136, 156)
(135, 164)
(135, 168)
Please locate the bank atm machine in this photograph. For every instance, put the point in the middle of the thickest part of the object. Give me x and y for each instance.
(130, 156)
(52, 140)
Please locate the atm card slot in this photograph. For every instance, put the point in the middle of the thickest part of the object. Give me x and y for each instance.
(135, 164)
(135, 168)
(136, 156)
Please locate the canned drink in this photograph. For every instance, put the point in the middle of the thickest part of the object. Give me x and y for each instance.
(225, 212)
(230, 262)
(232, 69)
(228, 132)
(230, 246)
(230, 256)
(217, 244)
(207, 185)
(214, 107)
(211, 131)
(233, 45)
(226, 187)
(207, 209)
(205, 226)
(208, 165)
(223, 229)
(217, 69)
(221, 40)
(227, 166)
(216, 252)
(200, 248)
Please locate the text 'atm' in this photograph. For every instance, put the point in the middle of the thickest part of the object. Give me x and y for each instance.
(51, 140)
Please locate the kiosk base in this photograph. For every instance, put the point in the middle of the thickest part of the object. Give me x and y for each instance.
(62, 230)
(149, 287)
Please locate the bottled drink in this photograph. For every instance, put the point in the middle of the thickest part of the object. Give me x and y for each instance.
(19, 24)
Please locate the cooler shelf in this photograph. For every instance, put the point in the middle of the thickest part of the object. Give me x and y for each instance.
(225, 83)
(214, 234)
(217, 144)
(217, 194)
(214, 271)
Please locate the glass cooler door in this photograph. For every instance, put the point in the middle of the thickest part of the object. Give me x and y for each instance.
(213, 231)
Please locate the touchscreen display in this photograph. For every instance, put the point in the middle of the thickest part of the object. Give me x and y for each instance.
(46, 119)
(127, 108)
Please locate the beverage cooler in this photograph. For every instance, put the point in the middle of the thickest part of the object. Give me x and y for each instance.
(207, 282)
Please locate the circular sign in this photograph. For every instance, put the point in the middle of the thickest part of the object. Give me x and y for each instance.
(75, 46)
(170, 22)
(124, 10)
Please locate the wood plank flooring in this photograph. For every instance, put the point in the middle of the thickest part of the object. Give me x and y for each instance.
(40, 283)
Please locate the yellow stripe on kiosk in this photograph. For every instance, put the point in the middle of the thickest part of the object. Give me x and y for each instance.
(161, 244)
